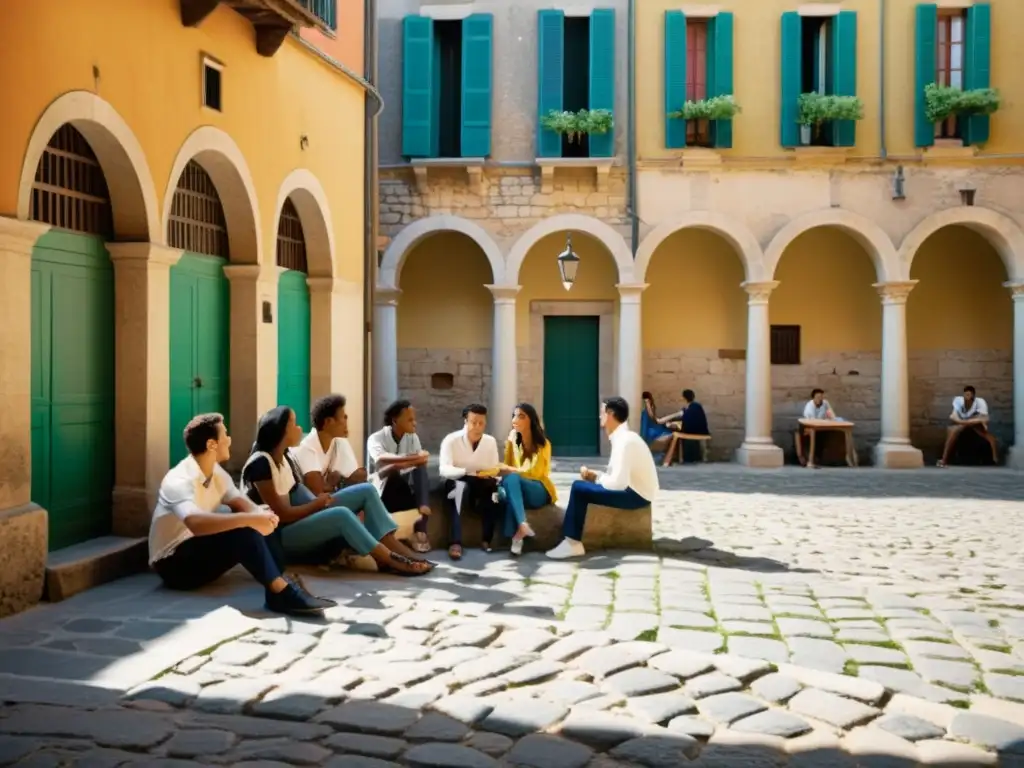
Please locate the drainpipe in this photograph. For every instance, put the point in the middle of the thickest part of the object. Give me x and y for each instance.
(370, 202)
(883, 149)
(631, 195)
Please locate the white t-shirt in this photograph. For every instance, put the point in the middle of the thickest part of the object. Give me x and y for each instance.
(631, 465)
(978, 408)
(383, 442)
(183, 492)
(820, 412)
(458, 457)
(311, 457)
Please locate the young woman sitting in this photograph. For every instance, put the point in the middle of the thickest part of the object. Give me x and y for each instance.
(526, 474)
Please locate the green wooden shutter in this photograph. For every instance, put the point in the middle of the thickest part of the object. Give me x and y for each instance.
(789, 95)
(844, 73)
(602, 75)
(977, 68)
(720, 74)
(419, 123)
(927, 20)
(477, 57)
(551, 53)
(675, 77)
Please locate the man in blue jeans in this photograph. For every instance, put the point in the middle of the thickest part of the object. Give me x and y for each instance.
(630, 482)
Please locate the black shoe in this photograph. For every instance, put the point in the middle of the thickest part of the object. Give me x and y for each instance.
(293, 601)
(296, 581)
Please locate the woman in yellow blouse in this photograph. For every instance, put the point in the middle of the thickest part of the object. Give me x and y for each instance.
(526, 482)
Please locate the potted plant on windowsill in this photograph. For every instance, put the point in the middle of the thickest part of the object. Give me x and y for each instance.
(586, 122)
(816, 109)
(943, 102)
(713, 108)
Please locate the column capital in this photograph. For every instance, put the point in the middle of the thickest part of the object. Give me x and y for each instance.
(758, 292)
(247, 272)
(895, 292)
(629, 293)
(143, 254)
(504, 294)
(383, 297)
(1016, 288)
(17, 236)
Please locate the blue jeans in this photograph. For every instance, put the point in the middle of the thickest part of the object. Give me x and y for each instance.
(583, 494)
(520, 495)
(338, 521)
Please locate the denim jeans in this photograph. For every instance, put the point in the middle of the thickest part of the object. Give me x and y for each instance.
(520, 495)
(409, 491)
(584, 493)
(201, 559)
(338, 521)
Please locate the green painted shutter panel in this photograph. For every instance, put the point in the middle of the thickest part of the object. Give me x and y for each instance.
(675, 78)
(551, 58)
(926, 24)
(477, 58)
(977, 69)
(419, 122)
(720, 74)
(602, 75)
(844, 73)
(293, 344)
(789, 94)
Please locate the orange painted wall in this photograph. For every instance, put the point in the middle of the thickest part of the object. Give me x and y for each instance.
(346, 45)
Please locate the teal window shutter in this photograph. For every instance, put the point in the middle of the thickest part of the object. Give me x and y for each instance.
(551, 53)
(477, 58)
(789, 95)
(844, 73)
(926, 23)
(602, 75)
(977, 69)
(720, 74)
(675, 78)
(419, 123)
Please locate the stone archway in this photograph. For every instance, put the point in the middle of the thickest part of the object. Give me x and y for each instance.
(1002, 232)
(310, 201)
(571, 222)
(394, 257)
(735, 232)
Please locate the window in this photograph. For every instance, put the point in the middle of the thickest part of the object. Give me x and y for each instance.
(448, 100)
(325, 10)
(815, 72)
(212, 75)
(785, 344)
(949, 69)
(698, 132)
(576, 79)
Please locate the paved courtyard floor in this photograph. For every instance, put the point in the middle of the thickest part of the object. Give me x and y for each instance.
(841, 618)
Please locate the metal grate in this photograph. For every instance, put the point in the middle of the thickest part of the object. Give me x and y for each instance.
(785, 345)
(69, 190)
(197, 217)
(291, 242)
(325, 10)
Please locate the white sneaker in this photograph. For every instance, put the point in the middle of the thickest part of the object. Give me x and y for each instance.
(568, 548)
(517, 547)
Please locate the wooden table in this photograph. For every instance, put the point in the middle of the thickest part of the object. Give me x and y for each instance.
(813, 426)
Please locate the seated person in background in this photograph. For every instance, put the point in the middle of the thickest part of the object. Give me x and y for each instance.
(694, 421)
(969, 413)
(629, 483)
(817, 408)
(324, 456)
(469, 464)
(526, 474)
(316, 527)
(396, 456)
(652, 429)
(191, 544)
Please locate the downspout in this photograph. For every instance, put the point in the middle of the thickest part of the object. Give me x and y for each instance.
(631, 194)
(883, 149)
(370, 201)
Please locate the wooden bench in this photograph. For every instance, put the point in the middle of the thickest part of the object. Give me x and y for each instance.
(675, 447)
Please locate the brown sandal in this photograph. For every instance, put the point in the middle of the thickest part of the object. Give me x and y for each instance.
(455, 551)
(421, 543)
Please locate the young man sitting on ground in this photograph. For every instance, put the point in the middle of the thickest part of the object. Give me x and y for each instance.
(191, 543)
(969, 413)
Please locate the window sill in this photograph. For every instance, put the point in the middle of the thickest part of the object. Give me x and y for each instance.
(602, 167)
(814, 156)
(949, 149)
(699, 157)
(474, 167)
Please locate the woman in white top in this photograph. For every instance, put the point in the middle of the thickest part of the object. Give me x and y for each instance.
(313, 527)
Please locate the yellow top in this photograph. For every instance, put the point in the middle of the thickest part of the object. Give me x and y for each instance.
(536, 467)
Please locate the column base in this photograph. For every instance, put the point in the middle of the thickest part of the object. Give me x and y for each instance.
(897, 456)
(760, 455)
(1015, 457)
(23, 549)
(132, 511)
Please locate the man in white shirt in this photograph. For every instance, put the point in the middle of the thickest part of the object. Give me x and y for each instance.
(324, 456)
(463, 457)
(819, 409)
(970, 412)
(630, 482)
(191, 543)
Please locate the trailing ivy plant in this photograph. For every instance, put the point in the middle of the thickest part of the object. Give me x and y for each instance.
(943, 101)
(575, 124)
(817, 108)
(714, 108)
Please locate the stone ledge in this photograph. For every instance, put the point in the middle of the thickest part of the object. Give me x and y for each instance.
(23, 542)
(602, 167)
(474, 167)
(82, 566)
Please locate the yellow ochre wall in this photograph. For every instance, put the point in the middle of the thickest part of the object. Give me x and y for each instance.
(756, 66)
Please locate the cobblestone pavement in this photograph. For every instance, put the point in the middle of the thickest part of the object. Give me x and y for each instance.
(841, 618)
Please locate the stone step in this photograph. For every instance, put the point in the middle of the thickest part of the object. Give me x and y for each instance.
(82, 566)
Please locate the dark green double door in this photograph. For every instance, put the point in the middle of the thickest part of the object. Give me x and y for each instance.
(200, 343)
(72, 306)
(293, 329)
(571, 399)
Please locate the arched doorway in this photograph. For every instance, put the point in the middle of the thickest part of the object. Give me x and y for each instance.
(199, 304)
(293, 316)
(72, 341)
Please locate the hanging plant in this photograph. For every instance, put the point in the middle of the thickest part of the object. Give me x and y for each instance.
(943, 101)
(575, 124)
(714, 108)
(817, 108)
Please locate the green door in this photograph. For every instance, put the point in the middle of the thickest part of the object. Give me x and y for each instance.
(293, 344)
(571, 398)
(200, 342)
(73, 385)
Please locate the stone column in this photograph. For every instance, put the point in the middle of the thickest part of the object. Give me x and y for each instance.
(504, 368)
(142, 299)
(630, 368)
(385, 349)
(894, 450)
(1015, 458)
(758, 449)
(23, 525)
